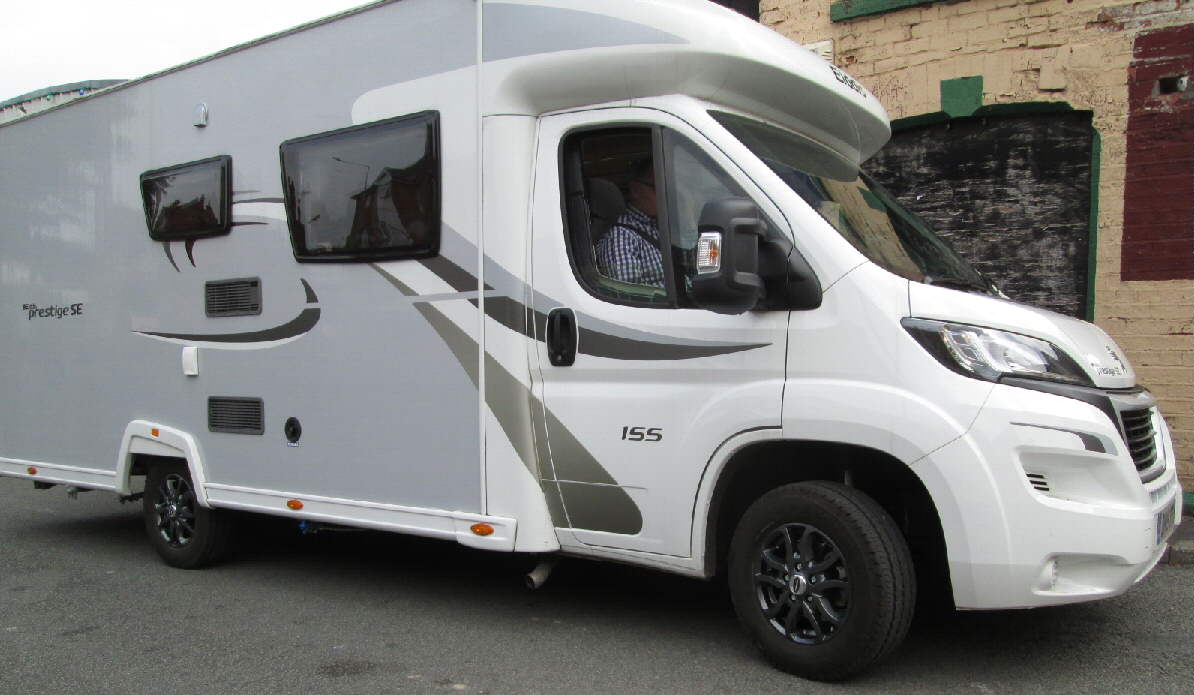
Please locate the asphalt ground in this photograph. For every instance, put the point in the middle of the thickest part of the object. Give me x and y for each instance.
(87, 607)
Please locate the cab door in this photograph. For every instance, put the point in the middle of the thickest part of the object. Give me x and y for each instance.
(639, 388)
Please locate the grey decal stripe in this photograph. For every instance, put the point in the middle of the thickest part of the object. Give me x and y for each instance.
(311, 298)
(601, 508)
(514, 315)
(513, 406)
(457, 278)
(617, 348)
(170, 256)
(601, 342)
(547, 477)
(507, 312)
(1089, 441)
(297, 326)
(512, 31)
(401, 286)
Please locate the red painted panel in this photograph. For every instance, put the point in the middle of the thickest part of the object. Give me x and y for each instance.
(1158, 242)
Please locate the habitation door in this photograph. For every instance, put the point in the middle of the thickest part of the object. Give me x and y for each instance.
(639, 387)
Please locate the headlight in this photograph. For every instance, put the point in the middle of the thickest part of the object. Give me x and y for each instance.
(990, 354)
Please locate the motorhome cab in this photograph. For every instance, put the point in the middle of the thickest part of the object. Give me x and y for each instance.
(571, 277)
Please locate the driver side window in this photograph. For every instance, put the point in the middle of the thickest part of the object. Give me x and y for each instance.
(694, 180)
(633, 198)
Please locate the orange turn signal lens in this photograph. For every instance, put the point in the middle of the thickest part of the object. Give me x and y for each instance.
(481, 529)
(155, 432)
(31, 470)
(294, 505)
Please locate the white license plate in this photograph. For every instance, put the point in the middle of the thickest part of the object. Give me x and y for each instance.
(1165, 523)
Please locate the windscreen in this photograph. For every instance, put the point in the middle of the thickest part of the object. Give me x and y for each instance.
(869, 217)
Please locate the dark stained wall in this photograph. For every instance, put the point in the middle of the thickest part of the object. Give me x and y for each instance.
(750, 8)
(1158, 242)
(1011, 193)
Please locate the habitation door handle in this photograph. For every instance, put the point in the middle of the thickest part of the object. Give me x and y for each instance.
(561, 337)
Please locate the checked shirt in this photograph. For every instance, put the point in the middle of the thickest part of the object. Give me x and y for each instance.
(629, 251)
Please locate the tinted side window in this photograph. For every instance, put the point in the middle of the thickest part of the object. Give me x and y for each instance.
(368, 192)
(694, 180)
(614, 233)
(188, 201)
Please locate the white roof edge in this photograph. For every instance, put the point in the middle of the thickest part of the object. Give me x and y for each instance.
(701, 49)
(207, 58)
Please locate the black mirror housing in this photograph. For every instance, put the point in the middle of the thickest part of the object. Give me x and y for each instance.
(736, 286)
(789, 279)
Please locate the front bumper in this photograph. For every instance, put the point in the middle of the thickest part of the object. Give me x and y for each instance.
(1042, 504)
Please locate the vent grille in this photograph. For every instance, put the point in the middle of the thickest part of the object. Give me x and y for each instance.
(233, 297)
(236, 415)
(1139, 436)
(1038, 481)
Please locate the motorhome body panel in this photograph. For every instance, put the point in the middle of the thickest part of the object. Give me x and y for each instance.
(551, 55)
(388, 412)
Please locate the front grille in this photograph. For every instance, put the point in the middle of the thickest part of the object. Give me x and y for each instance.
(1139, 436)
(236, 415)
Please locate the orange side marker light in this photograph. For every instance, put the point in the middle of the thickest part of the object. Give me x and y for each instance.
(155, 432)
(31, 470)
(294, 505)
(481, 529)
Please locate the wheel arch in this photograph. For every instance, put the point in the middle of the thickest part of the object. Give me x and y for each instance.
(145, 442)
(760, 466)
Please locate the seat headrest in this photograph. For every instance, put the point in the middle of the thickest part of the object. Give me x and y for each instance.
(605, 199)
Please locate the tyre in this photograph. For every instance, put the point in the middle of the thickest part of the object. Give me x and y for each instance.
(821, 580)
(183, 533)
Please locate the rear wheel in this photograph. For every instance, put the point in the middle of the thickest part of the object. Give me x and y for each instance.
(183, 533)
(821, 579)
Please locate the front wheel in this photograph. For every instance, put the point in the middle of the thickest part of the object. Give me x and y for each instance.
(821, 579)
(183, 533)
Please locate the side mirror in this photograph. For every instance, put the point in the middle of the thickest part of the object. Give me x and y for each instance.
(789, 279)
(727, 280)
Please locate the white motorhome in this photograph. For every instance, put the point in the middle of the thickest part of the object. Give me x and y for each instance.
(571, 277)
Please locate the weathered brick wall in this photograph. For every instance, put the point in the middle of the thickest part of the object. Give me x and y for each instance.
(1011, 193)
(1075, 51)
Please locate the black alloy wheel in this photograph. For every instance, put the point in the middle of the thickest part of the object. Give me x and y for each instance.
(184, 533)
(175, 510)
(821, 579)
(802, 584)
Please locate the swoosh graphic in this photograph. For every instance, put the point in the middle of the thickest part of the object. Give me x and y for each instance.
(516, 316)
(170, 256)
(290, 330)
(297, 326)
(599, 505)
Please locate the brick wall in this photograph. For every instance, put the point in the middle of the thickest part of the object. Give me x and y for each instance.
(1080, 52)
(1011, 193)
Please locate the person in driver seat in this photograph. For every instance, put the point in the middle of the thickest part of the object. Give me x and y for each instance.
(629, 251)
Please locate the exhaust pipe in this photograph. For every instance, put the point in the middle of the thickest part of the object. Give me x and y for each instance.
(538, 576)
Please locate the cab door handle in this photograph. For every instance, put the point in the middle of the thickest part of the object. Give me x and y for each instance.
(561, 337)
